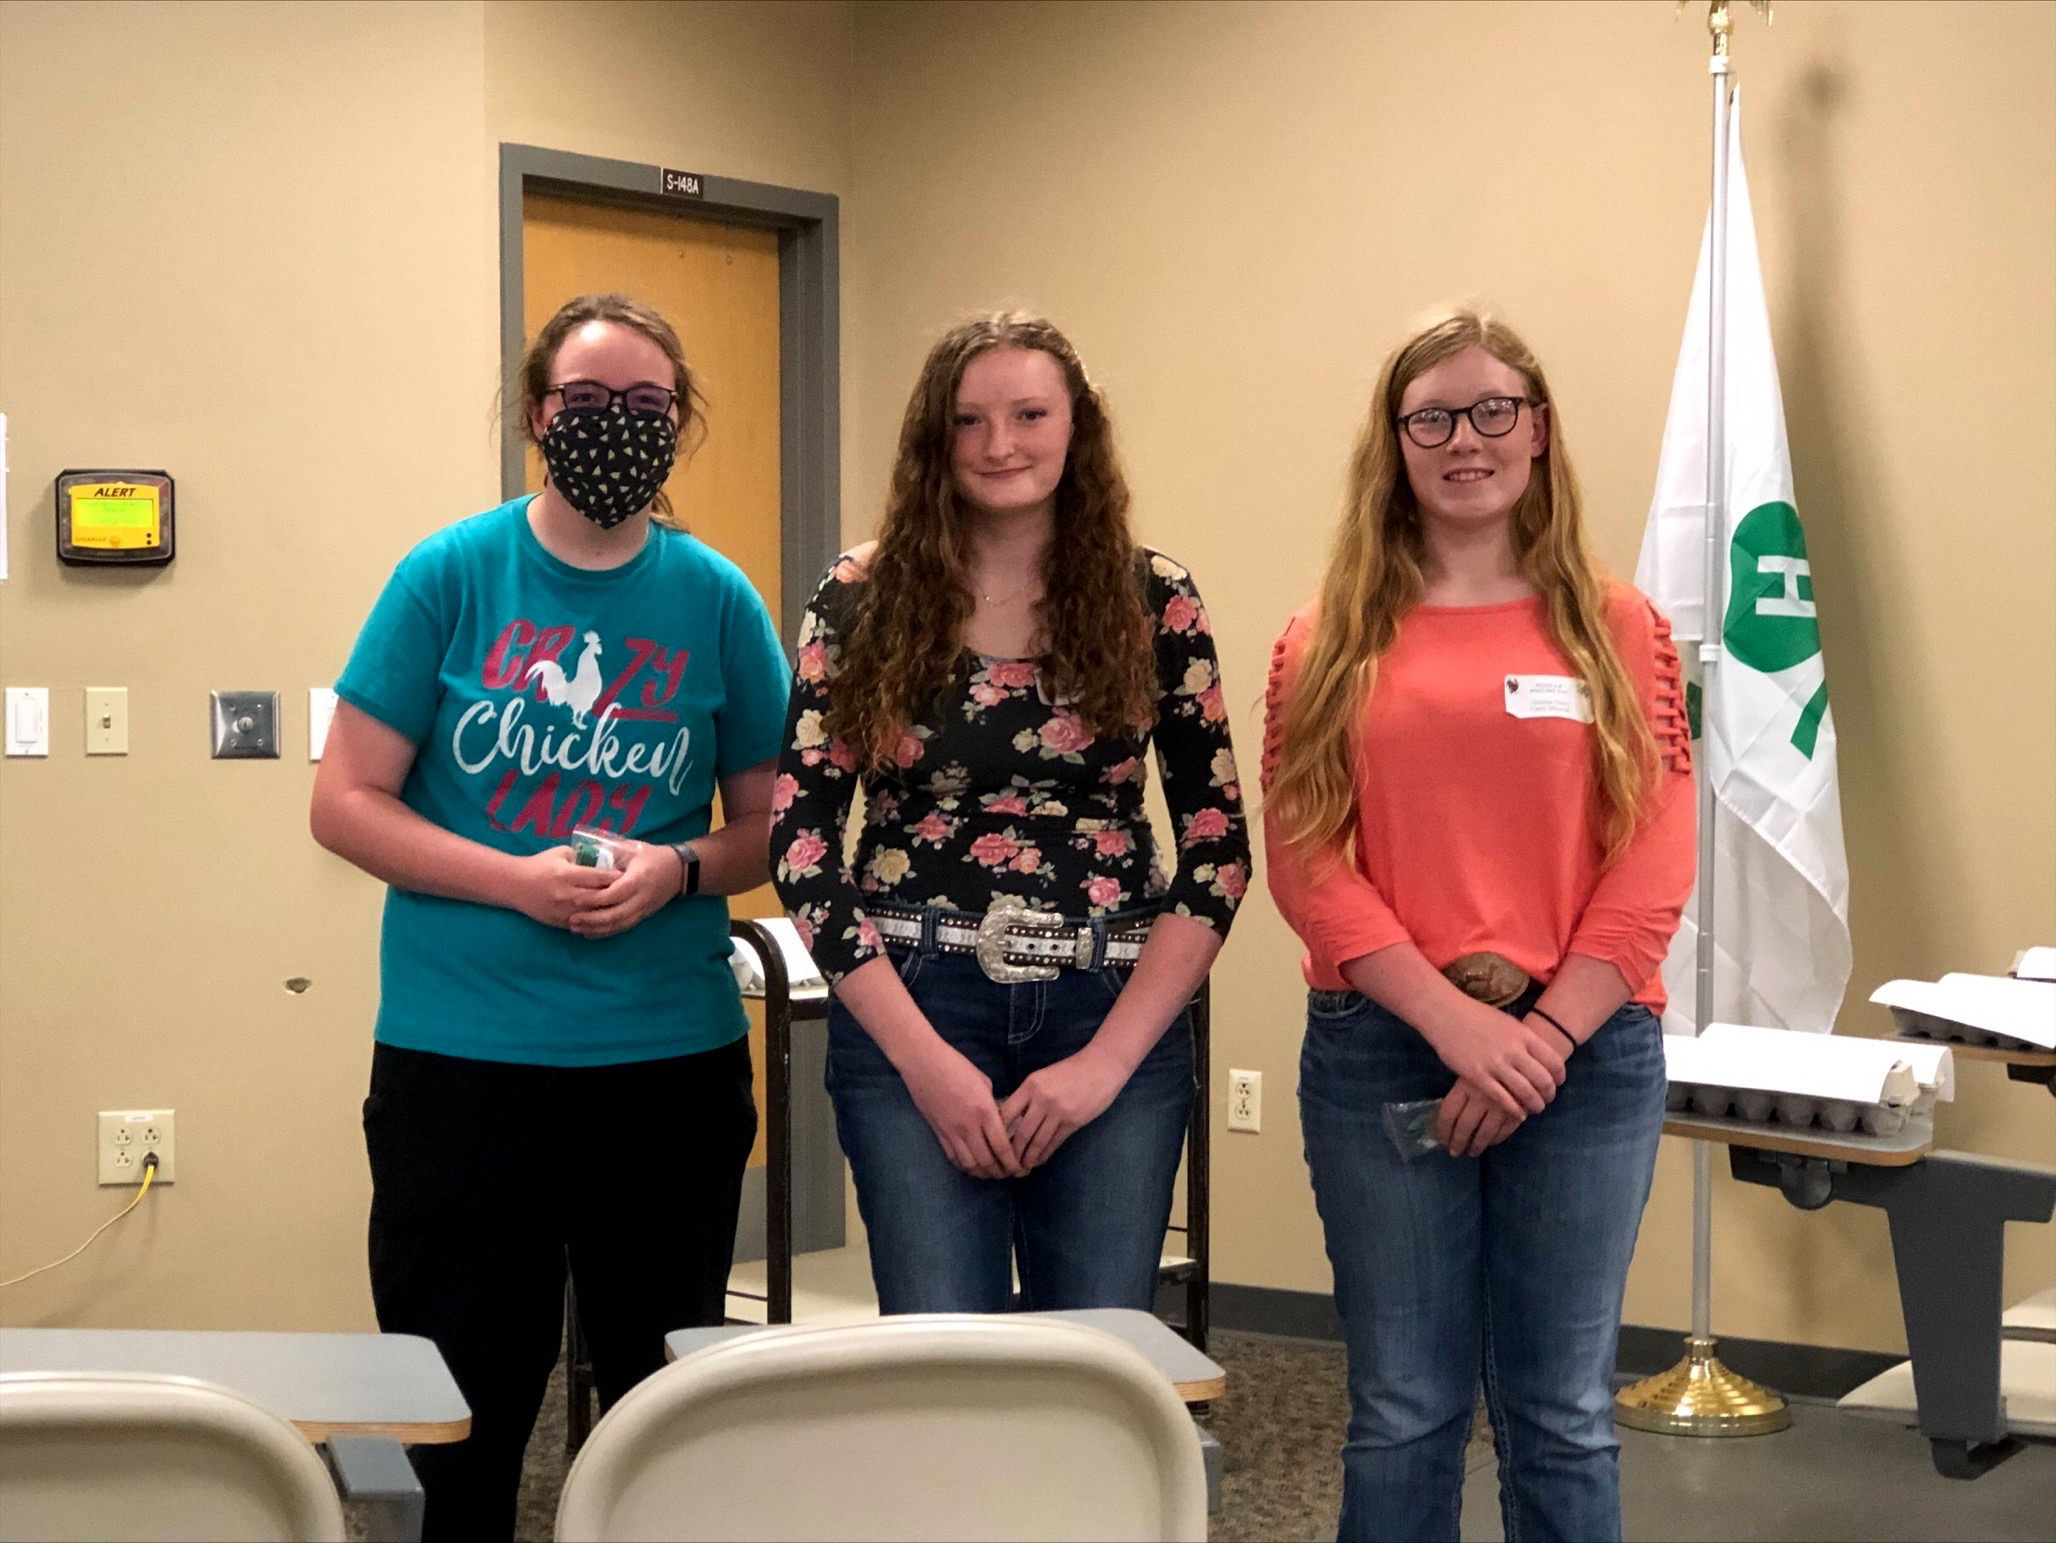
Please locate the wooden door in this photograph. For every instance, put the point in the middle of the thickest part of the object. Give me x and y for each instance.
(717, 284)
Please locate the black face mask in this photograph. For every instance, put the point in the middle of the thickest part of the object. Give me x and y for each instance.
(606, 463)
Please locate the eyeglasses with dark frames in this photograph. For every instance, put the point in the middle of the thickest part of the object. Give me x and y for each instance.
(636, 399)
(1492, 416)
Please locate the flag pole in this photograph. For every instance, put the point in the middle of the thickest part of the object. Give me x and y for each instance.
(1699, 1396)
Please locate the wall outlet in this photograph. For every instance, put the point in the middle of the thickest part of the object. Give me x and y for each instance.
(1245, 1100)
(127, 1136)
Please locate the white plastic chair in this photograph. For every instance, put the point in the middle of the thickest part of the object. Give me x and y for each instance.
(119, 1456)
(917, 1427)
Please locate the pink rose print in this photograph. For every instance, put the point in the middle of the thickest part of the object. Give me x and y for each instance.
(806, 850)
(1012, 672)
(1065, 734)
(1231, 880)
(841, 756)
(1006, 803)
(995, 850)
(813, 663)
(1206, 825)
(783, 791)
(1111, 843)
(867, 933)
(933, 827)
(803, 924)
(1029, 860)
(907, 751)
(1103, 891)
(1181, 613)
(1121, 771)
(1211, 706)
(988, 695)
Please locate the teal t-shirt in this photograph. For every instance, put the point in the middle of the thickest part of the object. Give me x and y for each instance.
(543, 697)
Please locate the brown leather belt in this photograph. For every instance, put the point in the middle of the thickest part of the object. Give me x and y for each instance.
(1488, 978)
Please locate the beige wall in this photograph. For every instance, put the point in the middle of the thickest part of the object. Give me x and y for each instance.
(265, 258)
(1235, 209)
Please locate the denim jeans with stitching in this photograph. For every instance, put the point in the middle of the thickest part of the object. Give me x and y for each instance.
(1508, 1267)
(1086, 1228)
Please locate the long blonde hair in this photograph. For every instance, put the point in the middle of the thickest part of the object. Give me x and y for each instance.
(1374, 578)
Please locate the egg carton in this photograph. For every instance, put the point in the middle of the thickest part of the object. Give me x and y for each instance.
(1759, 1106)
(1782, 1076)
(2007, 1012)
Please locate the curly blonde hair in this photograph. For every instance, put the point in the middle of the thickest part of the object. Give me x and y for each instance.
(904, 645)
(1374, 578)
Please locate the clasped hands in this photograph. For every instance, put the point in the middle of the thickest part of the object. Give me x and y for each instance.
(1506, 1069)
(993, 1140)
(555, 890)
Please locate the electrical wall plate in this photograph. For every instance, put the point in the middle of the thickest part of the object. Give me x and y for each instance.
(245, 725)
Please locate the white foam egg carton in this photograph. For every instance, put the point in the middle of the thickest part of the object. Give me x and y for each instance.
(2014, 1012)
(1744, 1072)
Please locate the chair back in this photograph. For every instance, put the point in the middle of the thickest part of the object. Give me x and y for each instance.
(119, 1456)
(925, 1426)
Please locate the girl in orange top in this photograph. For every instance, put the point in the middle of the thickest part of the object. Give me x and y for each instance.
(1480, 821)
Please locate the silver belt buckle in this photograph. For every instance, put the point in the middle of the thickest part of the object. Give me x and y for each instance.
(1010, 911)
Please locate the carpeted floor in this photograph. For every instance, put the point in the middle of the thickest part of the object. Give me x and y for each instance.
(1280, 1425)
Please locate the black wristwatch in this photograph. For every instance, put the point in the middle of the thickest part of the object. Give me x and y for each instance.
(689, 868)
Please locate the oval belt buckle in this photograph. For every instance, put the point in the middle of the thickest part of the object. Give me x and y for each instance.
(1010, 911)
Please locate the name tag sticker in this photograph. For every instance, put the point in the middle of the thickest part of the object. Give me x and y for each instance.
(1548, 696)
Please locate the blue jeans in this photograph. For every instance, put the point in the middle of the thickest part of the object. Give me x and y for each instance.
(1086, 1228)
(1510, 1266)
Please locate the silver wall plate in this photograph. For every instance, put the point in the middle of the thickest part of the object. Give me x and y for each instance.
(245, 725)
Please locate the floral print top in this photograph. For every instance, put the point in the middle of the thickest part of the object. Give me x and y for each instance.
(1003, 792)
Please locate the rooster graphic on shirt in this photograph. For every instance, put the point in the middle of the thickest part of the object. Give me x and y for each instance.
(577, 691)
(624, 740)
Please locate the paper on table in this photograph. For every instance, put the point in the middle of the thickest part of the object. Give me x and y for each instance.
(2035, 964)
(801, 973)
(1988, 1004)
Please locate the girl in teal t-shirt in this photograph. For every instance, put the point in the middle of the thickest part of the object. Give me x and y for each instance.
(561, 1076)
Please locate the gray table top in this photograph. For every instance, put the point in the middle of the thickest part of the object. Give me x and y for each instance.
(1196, 1377)
(326, 1384)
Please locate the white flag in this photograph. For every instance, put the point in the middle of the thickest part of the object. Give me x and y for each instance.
(1781, 877)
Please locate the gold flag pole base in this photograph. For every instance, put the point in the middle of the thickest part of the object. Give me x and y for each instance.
(1700, 1397)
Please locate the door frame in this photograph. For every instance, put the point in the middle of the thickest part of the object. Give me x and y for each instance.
(810, 513)
(809, 331)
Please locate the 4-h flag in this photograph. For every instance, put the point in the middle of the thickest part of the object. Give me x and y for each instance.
(1766, 738)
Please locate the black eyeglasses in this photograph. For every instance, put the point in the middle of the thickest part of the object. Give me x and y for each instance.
(1492, 416)
(637, 399)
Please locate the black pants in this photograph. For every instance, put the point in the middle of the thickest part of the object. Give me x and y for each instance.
(489, 1178)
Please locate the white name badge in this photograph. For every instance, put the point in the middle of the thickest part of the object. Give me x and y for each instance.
(1548, 696)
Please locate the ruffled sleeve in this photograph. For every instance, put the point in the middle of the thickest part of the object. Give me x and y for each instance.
(1634, 911)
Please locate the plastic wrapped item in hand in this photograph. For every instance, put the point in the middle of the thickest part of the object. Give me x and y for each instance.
(600, 849)
(1412, 1126)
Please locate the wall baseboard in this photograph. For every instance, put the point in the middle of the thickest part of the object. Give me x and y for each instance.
(1802, 1371)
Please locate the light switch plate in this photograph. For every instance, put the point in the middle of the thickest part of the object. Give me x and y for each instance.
(321, 712)
(245, 725)
(28, 720)
(106, 720)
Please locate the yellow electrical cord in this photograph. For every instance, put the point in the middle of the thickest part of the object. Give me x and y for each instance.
(149, 1173)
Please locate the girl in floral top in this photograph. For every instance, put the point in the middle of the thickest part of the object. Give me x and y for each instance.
(1009, 1055)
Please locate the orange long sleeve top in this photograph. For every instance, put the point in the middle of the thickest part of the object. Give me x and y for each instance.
(1481, 827)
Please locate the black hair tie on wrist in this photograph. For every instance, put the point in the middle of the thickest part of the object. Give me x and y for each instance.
(1536, 1012)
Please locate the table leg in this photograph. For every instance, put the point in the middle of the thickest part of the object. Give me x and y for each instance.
(1948, 1215)
(373, 1472)
(1214, 1456)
